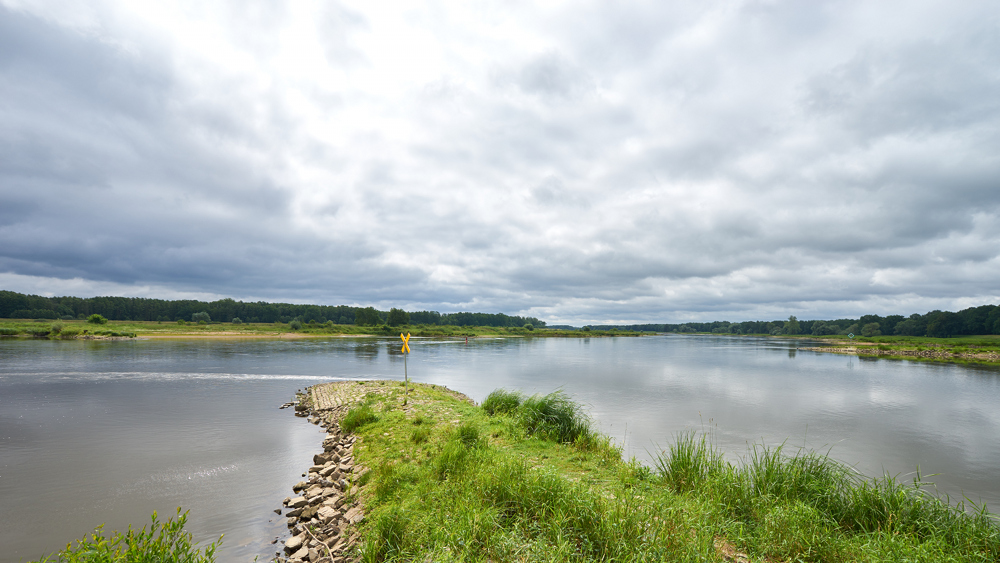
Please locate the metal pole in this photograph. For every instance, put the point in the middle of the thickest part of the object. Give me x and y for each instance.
(406, 380)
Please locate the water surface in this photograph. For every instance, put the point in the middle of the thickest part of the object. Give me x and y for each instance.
(107, 432)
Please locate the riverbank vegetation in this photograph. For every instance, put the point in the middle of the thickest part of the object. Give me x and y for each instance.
(163, 542)
(527, 478)
(981, 320)
(87, 329)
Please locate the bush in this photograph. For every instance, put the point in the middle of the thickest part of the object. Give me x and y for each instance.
(57, 328)
(529, 326)
(69, 333)
(295, 325)
(237, 321)
(97, 319)
(201, 316)
(164, 542)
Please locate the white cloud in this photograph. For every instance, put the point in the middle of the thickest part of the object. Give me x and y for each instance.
(579, 162)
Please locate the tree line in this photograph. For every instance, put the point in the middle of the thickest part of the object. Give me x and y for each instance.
(20, 306)
(984, 319)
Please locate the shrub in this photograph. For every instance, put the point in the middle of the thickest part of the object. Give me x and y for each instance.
(529, 326)
(237, 321)
(57, 328)
(201, 316)
(69, 333)
(163, 542)
(97, 319)
(295, 325)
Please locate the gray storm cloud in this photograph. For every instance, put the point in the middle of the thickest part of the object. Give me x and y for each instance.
(579, 163)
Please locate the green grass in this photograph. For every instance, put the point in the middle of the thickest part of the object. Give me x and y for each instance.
(358, 417)
(163, 542)
(503, 482)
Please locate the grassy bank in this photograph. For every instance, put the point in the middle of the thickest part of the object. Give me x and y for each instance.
(985, 348)
(73, 329)
(982, 348)
(527, 479)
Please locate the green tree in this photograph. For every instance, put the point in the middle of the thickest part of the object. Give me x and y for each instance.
(398, 317)
(870, 329)
(201, 316)
(367, 317)
(792, 326)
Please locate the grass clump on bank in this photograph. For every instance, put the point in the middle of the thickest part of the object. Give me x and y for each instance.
(165, 542)
(527, 478)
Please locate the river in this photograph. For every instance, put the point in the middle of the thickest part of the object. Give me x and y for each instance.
(106, 432)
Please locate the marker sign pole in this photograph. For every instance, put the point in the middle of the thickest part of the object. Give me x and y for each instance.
(406, 375)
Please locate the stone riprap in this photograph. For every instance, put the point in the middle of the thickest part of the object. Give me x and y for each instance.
(322, 513)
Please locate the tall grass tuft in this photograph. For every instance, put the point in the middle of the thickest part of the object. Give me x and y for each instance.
(165, 542)
(358, 417)
(690, 461)
(502, 401)
(796, 500)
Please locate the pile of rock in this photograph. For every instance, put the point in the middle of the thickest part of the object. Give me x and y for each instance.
(321, 515)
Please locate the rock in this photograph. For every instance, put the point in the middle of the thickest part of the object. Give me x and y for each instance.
(308, 513)
(277, 511)
(301, 408)
(326, 513)
(299, 486)
(295, 512)
(301, 554)
(328, 470)
(316, 468)
(293, 544)
(354, 515)
(286, 501)
(297, 502)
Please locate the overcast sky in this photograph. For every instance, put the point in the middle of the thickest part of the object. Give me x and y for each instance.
(579, 162)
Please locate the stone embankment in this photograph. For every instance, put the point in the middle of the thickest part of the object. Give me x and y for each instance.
(322, 515)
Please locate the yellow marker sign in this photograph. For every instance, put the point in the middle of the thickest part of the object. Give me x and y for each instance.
(406, 375)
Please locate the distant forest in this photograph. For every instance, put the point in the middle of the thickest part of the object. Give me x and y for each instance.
(984, 319)
(20, 306)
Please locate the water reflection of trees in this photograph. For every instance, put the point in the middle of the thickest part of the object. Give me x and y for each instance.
(367, 350)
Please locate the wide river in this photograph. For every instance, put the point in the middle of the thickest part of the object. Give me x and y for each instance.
(107, 432)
